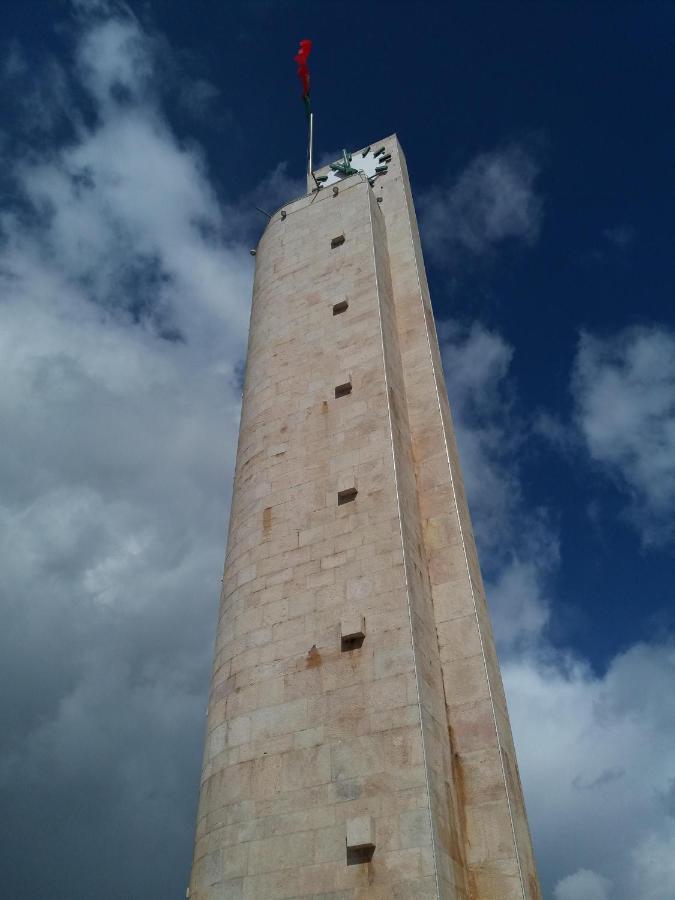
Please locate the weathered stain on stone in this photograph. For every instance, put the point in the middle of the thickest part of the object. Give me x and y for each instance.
(460, 791)
(458, 837)
(313, 658)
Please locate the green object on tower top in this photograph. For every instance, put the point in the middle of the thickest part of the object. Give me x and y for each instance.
(344, 167)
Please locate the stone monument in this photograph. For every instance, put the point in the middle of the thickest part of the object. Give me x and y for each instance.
(358, 741)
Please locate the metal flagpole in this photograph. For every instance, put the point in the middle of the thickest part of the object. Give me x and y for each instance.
(310, 145)
(310, 141)
(303, 73)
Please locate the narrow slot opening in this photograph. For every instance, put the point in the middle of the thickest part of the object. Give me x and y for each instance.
(347, 496)
(342, 390)
(340, 307)
(337, 241)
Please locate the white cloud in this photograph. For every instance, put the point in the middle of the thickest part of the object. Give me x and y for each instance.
(125, 297)
(493, 200)
(115, 62)
(520, 607)
(519, 546)
(476, 362)
(594, 749)
(654, 861)
(624, 390)
(596, 758)
(583, 885)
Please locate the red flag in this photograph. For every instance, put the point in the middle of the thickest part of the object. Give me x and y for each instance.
(303, 70)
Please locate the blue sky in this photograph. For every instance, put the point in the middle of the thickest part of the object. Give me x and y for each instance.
(136, 141)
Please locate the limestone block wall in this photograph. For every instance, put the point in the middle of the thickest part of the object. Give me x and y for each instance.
(348, 508)
(444, 813)
(497, 849)
(303, 735)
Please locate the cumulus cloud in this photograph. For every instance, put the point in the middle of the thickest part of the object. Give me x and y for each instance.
(654, 862)
(596, 757)
(123, 322)
(493, 200)
(583, 885)
(519, 544)
(476, 361)
(624, 391)
(594, 748)
(518, 590)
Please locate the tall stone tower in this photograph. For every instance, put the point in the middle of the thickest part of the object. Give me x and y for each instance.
(358, 741)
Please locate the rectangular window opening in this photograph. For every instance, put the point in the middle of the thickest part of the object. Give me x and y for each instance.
(347, 496)
(340, 307)
(352, 642)
(337, 241)
(356, 856)
(342, 390)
